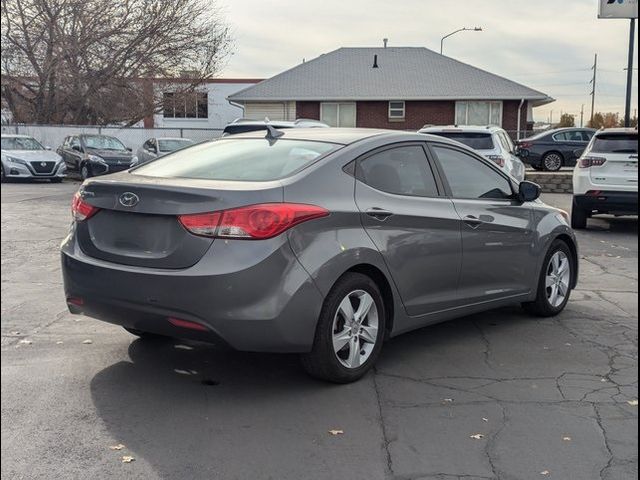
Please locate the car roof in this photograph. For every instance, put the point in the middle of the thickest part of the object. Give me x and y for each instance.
(173, 138)
(14, 135)
(341, 136)
(620, 130)
(461, 128)
(565, 129)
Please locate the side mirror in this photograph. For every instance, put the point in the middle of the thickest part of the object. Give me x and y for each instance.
(129, 149)
(529, 191)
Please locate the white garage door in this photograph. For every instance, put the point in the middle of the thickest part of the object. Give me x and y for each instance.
(274, 111)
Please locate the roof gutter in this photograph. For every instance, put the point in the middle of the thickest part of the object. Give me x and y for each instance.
(236, 104)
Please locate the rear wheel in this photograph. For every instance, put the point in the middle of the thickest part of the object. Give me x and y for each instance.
(350, 331)
(552, 162)
(579, 216)
(56, 180)
(3, 177)
(85, 171)
(554, 285)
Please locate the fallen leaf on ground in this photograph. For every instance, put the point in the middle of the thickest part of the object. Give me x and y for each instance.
(477, 436)
(336, 432)
(117, 447)
(59, 343)
(448, 400)
(633, 403)
(545, 473)
(127, 459)
(26, 342)
(485, 420)
(88, 342)
(567, 439)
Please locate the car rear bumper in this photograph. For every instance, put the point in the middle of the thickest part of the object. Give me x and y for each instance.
(251, 296)
(616, 203)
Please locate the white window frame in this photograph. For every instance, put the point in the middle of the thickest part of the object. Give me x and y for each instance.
(403, 110)
(338, 104)
(492, 105)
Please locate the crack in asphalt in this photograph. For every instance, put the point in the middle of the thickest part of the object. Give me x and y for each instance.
(383, 427)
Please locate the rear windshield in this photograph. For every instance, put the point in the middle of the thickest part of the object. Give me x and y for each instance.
(477, 141)
(615, 143)
(246, 159)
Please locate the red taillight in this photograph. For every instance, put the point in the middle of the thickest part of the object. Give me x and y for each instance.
(498, 160)
(525, 145)
(178, 322)
(81, 210)
(588, 162)
(77, 301)
(256, 222)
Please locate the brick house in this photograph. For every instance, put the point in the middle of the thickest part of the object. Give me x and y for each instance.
(396, 87)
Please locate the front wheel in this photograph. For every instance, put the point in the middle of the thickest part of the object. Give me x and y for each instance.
(85, 171)
(555, 283)
(350, 331)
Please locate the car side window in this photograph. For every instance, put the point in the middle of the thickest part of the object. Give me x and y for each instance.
(505, 141)
(560, 137)
(147, 145)
(400, 171)
(586, 136)
(470, 178)
(574, 136)
(74, 142)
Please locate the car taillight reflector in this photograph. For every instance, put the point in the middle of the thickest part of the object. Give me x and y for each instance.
(255, 222)
(81, 210)
(525, 145)
(588, 162)
(178, 322)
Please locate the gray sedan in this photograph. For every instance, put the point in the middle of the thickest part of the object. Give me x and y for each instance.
(324, 242)
(24, 157)
(157, 147)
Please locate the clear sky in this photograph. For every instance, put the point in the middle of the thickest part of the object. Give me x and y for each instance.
(545, 44)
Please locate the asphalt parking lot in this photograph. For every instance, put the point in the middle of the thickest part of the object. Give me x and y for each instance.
(499, 395)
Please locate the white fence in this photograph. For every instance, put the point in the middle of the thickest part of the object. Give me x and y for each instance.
(132, 137)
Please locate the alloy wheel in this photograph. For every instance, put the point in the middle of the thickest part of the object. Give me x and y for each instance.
(553, 162)
(355, 329)
(558, 279)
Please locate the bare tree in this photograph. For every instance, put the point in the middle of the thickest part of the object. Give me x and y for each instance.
(95, 61)
(567, 120)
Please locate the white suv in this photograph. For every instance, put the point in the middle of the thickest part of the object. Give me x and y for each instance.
(605, 180)
(492, 142)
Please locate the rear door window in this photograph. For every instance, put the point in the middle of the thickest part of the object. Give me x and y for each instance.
(240, 159)
(400, 171)
(470, 178)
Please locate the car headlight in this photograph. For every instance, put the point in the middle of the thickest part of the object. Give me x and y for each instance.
(19, 161)
(134, 160)
(96, 159)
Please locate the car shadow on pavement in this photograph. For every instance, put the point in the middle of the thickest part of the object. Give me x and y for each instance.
(191, 410)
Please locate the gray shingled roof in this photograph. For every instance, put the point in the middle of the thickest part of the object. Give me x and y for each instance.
(404, 73)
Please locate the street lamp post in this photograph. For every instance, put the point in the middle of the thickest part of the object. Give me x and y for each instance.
(465, 29)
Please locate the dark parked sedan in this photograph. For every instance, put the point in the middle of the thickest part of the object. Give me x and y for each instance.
(324, 242)
(93, 155)
(554, 149)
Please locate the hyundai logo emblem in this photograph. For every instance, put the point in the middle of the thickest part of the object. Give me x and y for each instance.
(128, 199)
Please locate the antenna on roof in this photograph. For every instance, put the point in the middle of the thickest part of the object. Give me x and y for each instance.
(273, 134)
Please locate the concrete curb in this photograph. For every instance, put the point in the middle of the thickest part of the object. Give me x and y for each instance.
(552, 182)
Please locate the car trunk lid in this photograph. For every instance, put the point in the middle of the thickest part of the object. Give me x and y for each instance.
(138, 225)
(620, 169)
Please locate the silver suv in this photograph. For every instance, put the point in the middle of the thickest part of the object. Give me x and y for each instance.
(492, 142)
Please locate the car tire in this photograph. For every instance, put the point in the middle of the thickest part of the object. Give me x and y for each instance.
(3, 177)
(537, 168)
(56, 180)
(85, 171)
(552, 162)
(553, 280)
(142, 334)
(579, 217)
(339, 320)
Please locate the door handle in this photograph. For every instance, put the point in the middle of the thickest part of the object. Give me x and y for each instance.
(379, 214)
(473, 222)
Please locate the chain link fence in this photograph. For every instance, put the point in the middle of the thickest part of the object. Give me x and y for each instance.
(132, 137)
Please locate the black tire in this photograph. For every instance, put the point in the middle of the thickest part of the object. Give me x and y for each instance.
(85, 171)
(142, 334)
(552, 162)
(537, 168)
(322, 362)
(3, 177)
(541, 306)
(56, 180)
(579, 217)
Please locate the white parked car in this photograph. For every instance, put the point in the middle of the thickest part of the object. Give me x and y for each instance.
(605, 181)
(157, 147)
(24, 157)
(492, 142)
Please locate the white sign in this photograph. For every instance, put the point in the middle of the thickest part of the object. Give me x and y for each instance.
(618, 9)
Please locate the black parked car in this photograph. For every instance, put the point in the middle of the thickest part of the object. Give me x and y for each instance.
(553, 149)
(93, 155)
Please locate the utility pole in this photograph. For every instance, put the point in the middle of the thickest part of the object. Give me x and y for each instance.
(582, 116)
(593, 92)
(627, 109)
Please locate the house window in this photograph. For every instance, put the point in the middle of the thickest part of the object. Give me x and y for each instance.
(479, 113)
(396, 110)
(185, 105)
(338, 114)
